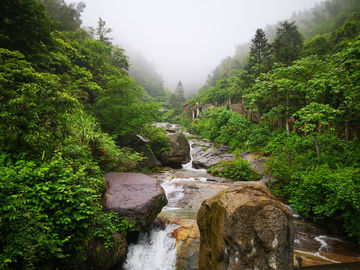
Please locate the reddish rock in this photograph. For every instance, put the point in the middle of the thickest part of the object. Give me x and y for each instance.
(137, 197)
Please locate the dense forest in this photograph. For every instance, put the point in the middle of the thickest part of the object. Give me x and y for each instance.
(300, 82)
(70, 107)
(72, 103)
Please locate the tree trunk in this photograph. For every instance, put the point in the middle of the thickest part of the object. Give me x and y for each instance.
(317, 146)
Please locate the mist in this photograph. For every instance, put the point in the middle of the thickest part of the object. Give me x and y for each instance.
(187, 39)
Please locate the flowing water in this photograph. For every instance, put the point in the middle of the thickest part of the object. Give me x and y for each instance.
(177, 240)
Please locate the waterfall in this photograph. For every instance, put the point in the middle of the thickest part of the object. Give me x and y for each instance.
(155, 250)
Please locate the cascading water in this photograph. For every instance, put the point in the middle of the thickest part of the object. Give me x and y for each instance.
(155, 250)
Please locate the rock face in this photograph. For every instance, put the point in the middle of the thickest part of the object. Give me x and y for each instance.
(180, 150)
(137, 197)
(212, 157)
(245, 227)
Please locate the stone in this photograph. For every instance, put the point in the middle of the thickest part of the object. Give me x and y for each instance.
(245, 227)
(137, 197)
(212, 157)
(98, 257)
(180, 150)
(187, 244)
(141, 145)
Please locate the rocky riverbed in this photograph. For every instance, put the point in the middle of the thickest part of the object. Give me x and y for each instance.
(187, 187)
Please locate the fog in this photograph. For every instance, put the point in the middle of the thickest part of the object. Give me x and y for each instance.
(187, 39)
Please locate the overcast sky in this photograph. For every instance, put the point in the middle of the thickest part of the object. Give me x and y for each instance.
(187, 39)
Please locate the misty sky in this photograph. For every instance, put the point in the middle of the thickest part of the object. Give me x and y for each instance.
(187, 39)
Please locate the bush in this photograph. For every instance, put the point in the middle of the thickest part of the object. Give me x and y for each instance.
(48, 210)
(236, 131)
(323, 192)
(159, 142)
(238, 169)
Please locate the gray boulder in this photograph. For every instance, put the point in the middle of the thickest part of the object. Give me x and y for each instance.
(245, 227)
(212, 157)
(180, 150)
(137, 197)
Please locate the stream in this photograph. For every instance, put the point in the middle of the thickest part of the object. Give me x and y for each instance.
(173, 240)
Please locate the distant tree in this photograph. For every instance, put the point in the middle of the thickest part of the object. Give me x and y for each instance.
(260, 59)
(179, 93)
(68, 15)
(288, 43)
(101, 31)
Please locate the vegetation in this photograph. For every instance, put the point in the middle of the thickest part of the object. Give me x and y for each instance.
(302, 80)
(68, 112)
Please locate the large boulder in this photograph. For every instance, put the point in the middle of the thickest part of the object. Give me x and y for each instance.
(245, 227)
(213, 157)
(180, 150)
(137, 197)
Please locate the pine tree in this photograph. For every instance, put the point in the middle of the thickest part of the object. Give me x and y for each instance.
(179, 93)
(288, 43)
(260, 60)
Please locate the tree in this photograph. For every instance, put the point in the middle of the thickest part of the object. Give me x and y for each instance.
(68, 15)
(25, 26)
(179, 93)
(288, 43)
(259, 60)
(101, 31)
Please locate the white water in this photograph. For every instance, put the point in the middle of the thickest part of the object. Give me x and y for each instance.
(156, 251)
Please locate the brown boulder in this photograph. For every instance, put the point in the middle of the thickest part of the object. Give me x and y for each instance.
(180, 150)
(245, 227)
(137, 197)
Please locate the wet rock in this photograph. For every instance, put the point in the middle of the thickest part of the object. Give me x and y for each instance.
(141, 145)
(137, 197)
(187, 244)
(180, 150)
(212, 157)
(245, 227)
(98, 257)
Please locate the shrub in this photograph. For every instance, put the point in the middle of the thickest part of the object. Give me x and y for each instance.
(236, 131)
(323, 192)
(238, 169)
(48, 210)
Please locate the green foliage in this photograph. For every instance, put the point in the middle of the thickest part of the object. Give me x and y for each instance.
(48, 209)
(259, 137)
(237, 169)
(323, 192)
(159, 142)
(25, 26)
(288, 43)
(210, 124)
(313, 116)
(34, 107)
(69, 16)
(235, 132)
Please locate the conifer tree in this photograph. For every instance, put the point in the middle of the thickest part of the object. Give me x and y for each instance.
(259, 61)
(179, 93)
(288, 43)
